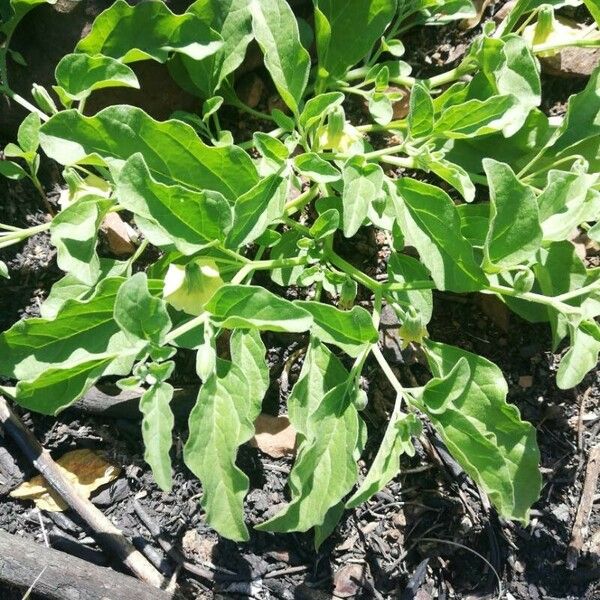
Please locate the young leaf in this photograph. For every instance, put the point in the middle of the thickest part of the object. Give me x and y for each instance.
(253, 307)
(453, 174)
(420, 114)
(74, 232)
(12, 170)
(514, 234)
(313, 166)
(78, 75)
(316, 108)
(350, 330)
(148, 30)
(396, 441)
(172, 215)
(484, 433)
(28, 135)
(255, 210)
(428, 218)
(157, 425)
(171, 149)
(218, 425)
(581, 357)
(363, 184)
(139, 314)
(276, 31)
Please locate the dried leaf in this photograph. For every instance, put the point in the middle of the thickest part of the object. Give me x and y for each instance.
(84, 469)
(274, 436)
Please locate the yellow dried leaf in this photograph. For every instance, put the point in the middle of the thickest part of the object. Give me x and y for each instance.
(84, 469)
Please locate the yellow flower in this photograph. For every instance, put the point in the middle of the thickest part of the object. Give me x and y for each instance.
(343, 141)
(189, 287)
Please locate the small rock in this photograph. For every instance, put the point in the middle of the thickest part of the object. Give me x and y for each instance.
(118, 235)
(525, 381)
(274, 436)
(572, 62)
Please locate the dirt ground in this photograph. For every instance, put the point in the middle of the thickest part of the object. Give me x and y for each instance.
(429, 534)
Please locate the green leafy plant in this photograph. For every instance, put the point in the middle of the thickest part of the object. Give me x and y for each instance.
(505, 188)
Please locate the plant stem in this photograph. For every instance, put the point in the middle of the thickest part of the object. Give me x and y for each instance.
(301, 201)
(188, 326)
(255, 113)
(275, 133)
(551, 301)
(16, 236)
(346, 267)
(24, 103)
(385, 367)
(398, 161)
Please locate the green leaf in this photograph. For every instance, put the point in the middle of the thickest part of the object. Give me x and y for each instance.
(12, 170)
(68, 353)
(594, 9)
(28, 135)
(255, 210)
(314, 167)
(325, 468)
(338, 45)
(172, 215)
(276, 31)
(4, 270)
(484, 433)
(562, 204)
(455, 175)
(326, 224)
(253, 307)
(514, 234)
(396, 441)
(148, 30)
(171, 149)
(80, 74)
(581, 357)
(74, 232)
(248, 353)
(363, 184)
(233, 21)
(218, 425)
(429, 220)
(475, 117)
(420, 114)
(139, 314)
(157, 427)
(350, 330)
(318, 107)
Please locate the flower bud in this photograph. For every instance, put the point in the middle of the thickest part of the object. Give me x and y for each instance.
(412, 329)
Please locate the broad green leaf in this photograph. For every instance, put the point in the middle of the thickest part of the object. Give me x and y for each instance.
(248, 353)
(74, 233)
(514, 234)
(157, 427)
(475, 222)
(396, 441)
(276, 31)
(326, 224)
(350, 330)
(13, 11)
(581, 357)
(407, 270)
(420, 114)
(218, 425)
(484, 433)
(59, 360)
(171, 149)
(562, 205)
(339, 44)
(380, 108)
(139, 314)
(363, 184)
(78, 75)
(148, 30)
(455, 175)
(313, 166)
(475, 117)
(317, 107)
(233, 21)
(325, 469)
(594, 9)
(429, 221)
(172, 215)
(253, 307)
(255, 210)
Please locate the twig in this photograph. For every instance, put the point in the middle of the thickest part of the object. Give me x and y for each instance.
(106, 533)
(585, 507)
(582, 403)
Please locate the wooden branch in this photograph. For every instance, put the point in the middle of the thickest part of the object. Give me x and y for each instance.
(65, 576)
(105, 533)
(585, 507)
(110, 401)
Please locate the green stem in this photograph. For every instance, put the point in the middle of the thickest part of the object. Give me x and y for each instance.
(14, 237)
(385, 367)
(398, 161)
(138, 252)
(178, 331)
(301, 201)
(276, 133)
(255, 113)
(24, 103)
(551, 301)
(399, 124)
(357, 275)
(595, 285)
(583, 43)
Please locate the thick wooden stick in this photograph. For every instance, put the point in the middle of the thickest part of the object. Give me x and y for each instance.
(65, 576)
(105, 533)
(585, 507)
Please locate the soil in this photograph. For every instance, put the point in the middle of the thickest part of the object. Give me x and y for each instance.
(429, 534)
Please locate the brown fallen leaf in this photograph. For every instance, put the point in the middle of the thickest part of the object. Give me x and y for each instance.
(480, 6)
(274, 436)
(84, 469)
